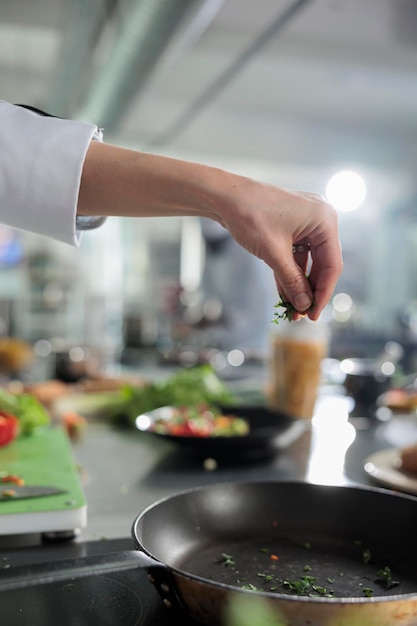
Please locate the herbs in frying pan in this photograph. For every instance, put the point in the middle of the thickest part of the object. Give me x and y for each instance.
(226, 559)
(366, 555)
(303, 585)
(384, 577)
(307, 586)
(251, 587)
(385, 574)
(306, 582)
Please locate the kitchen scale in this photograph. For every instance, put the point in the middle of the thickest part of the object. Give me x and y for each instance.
(42, 458)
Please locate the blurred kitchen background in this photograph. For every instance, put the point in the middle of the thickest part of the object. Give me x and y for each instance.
(290, 92)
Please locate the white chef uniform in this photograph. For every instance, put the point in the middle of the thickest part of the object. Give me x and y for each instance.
(41, 160)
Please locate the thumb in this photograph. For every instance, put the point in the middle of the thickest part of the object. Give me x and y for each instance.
(302, 300)
(294, 286)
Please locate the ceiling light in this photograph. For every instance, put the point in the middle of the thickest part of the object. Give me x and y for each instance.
(346, 191)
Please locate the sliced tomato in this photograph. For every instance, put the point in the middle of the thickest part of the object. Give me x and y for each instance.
(180, 430)
(9, 428)
(200, 427)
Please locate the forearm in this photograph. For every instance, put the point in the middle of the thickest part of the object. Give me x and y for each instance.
(121, 182)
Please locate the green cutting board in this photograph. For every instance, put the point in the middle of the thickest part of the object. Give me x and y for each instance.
(42, 458)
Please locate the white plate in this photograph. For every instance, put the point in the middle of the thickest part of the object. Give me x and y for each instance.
(383, 466)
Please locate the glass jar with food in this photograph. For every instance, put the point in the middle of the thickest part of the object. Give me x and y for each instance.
(297, 349)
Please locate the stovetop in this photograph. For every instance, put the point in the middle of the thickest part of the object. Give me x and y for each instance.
(125, 598)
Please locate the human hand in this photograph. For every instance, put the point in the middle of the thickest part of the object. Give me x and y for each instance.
(268, 221)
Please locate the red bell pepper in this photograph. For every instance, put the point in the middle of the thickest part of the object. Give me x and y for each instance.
(9, 428)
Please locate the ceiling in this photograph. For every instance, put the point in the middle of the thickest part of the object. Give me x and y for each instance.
(287, 90)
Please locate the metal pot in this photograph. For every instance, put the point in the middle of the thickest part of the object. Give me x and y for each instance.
(365, 380)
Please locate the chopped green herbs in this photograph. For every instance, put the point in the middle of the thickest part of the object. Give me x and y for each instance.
(366, 555)
(226, 559)
(267, 577)
(288, 311)
(307, 585)
(279, 577)
(384, 576)
(251, 588)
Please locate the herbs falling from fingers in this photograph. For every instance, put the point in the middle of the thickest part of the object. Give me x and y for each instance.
(288, 311)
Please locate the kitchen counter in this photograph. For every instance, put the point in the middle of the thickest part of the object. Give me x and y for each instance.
(124, 471)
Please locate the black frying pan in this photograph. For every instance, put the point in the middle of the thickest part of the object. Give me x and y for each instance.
(317, 555)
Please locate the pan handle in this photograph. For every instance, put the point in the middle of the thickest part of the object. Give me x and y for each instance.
(68, 569)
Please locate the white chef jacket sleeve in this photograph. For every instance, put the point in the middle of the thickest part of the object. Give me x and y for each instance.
(41, 160)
